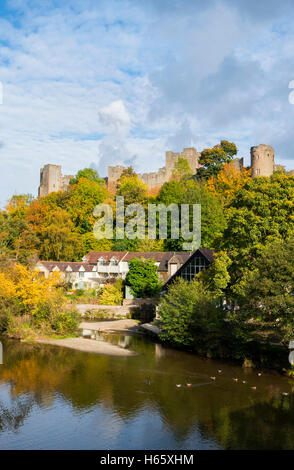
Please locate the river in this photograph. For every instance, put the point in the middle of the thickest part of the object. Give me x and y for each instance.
(55, 398)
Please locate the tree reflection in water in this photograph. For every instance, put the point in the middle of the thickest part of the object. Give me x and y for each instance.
(138, 396)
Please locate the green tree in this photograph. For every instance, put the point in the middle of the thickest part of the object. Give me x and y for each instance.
(182, 170)
(189, 315)
(260, 213)
(213, 159)
(142, 278)
(270, 291)
(213, 220)
(88, 173)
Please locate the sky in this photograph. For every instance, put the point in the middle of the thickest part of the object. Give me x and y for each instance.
(106, 82)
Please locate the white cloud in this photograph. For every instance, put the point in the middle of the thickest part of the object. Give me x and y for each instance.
(115, 119)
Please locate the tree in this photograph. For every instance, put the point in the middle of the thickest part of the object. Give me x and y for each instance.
(217, 278)
(182, 170)
(133, 190)
(213, 159)
(128, 172)
(142, 278)
(260, 213)
(15, 234)
(189, 315)
(270, 291)
(83, 197)
(228, 181)
(213, 220)
(90, 243)
(87, 173)
(60, 241)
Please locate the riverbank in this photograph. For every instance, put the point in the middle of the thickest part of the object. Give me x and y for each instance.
(94, 346)
(112, 325)
(89, 345)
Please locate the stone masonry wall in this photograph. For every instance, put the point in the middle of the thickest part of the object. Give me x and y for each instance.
(51, 179)
(156, 179)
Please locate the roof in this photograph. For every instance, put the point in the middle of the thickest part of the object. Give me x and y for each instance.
(93, 256)
(62, 265)
(161, 257)
(206, 252)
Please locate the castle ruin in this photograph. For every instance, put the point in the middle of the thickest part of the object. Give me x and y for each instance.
(51, 180)
(262, 160)
(262, 164)
(156, 179)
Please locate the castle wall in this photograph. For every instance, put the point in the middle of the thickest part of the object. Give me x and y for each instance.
(262, 164)
(156, 179)
(51, 180)
(238, 164)
(262, 160)
(114, 174)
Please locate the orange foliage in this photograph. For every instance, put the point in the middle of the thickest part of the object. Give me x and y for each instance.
(228, 181)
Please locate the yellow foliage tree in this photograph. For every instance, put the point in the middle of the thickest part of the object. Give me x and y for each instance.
(26, 286)
(7, 287)
(228, 181)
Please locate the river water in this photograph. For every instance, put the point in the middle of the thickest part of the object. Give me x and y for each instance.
(56, 398)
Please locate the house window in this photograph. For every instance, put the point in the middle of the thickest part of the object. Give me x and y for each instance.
(81, 273)
(194, 267)
(101, 261)
(113, 261)
(173, 268)
(257, 172)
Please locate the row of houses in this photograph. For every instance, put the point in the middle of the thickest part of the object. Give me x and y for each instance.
(100, 267)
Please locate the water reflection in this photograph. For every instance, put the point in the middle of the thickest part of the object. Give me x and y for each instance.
(52, 397)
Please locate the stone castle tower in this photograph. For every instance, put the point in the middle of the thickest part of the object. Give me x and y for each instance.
(262, 160)
(156, 179)
(51, 179)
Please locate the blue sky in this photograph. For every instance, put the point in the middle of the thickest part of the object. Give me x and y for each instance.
(104, 82)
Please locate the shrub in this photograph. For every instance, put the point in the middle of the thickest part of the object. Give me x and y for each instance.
(31, 305)
(66, 322)
(112, 294)
(20, 327)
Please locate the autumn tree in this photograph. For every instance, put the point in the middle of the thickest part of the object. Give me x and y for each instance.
(133, 190)
(228, 181)
(14, 228)
(82, 199)
(59, 239)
